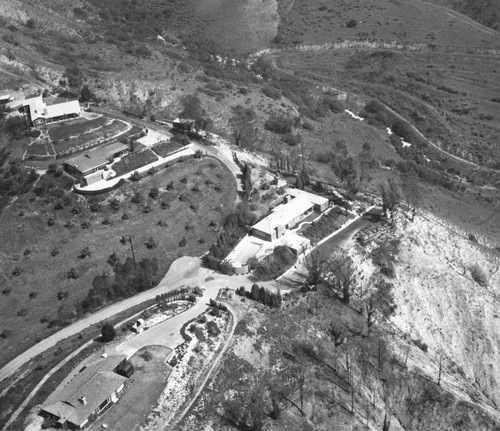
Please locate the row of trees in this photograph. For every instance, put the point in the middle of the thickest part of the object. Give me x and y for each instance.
(261, 294)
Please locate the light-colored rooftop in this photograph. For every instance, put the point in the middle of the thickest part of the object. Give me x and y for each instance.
(315, 199)
(61, 109)
(284, 214)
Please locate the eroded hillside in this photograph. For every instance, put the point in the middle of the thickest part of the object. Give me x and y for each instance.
(320, 365)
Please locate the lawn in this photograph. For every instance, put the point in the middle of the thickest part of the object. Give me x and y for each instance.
(35, 258)
(133, 161)
(88, 138)
(141, 390)
(75, 128)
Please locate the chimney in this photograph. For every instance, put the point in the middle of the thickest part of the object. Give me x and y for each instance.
(83, 400)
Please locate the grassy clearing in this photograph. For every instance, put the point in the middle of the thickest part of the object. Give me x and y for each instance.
(318, 22)
(75, 128)
(36, 257)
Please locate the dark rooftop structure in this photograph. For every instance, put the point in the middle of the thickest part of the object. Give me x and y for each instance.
(92, 390)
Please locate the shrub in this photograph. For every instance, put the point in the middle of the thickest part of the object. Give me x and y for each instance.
(164, 205)
(212, 329)
(146, 209)
(421, 345)
(279, 123)
(31, 23)
(73, 274)
(22, 312)
(351, 23)
(114, 204)
(17, 271)
(125, 216)
(84, 253)
(271, 92)
(85, 224)
(479, 275)
(215, 312)
(112, 259)
(183, 242)
(6, 333)
(33, 294)
(151, 243)
(62, 294)
(54, 252)
(108, 333)
(292, 140)
(154, 193)
(137, 198)
(50, 221)
(135, 176)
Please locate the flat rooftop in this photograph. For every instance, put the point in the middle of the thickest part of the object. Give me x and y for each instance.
(96, 158)
(284, 214)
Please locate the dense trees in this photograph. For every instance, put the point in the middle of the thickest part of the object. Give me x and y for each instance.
(192, 109)
(245, 133)
(128, 280)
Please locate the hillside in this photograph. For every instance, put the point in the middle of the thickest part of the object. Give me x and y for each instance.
(486, 12)
(346, 93)
(431, 365)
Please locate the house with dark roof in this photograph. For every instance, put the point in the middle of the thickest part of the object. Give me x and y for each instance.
(88, 167)
(183, 125)
(6, 98)
(94, 388)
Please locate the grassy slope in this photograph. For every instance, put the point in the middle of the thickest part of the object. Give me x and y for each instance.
(486, 12)
(47, 275)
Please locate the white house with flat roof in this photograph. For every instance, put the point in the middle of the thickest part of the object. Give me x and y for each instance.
(299, 205)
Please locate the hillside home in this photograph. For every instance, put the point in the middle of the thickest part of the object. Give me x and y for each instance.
(183, 125)
(38, 113)
(6, 98)
(298, 206)
(94, 388)
(88, 168)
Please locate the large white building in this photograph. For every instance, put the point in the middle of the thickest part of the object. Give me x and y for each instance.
(299, 205)
(39, 113)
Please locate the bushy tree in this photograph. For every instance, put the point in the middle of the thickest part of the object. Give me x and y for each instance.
(108, 332)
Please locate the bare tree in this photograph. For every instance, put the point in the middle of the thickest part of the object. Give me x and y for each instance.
(340, 276)
(391, 198)
(412, 191)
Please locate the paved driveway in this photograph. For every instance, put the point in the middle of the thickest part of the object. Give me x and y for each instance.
(168, 333)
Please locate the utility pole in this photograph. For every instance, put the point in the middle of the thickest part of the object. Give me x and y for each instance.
(132, 247)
